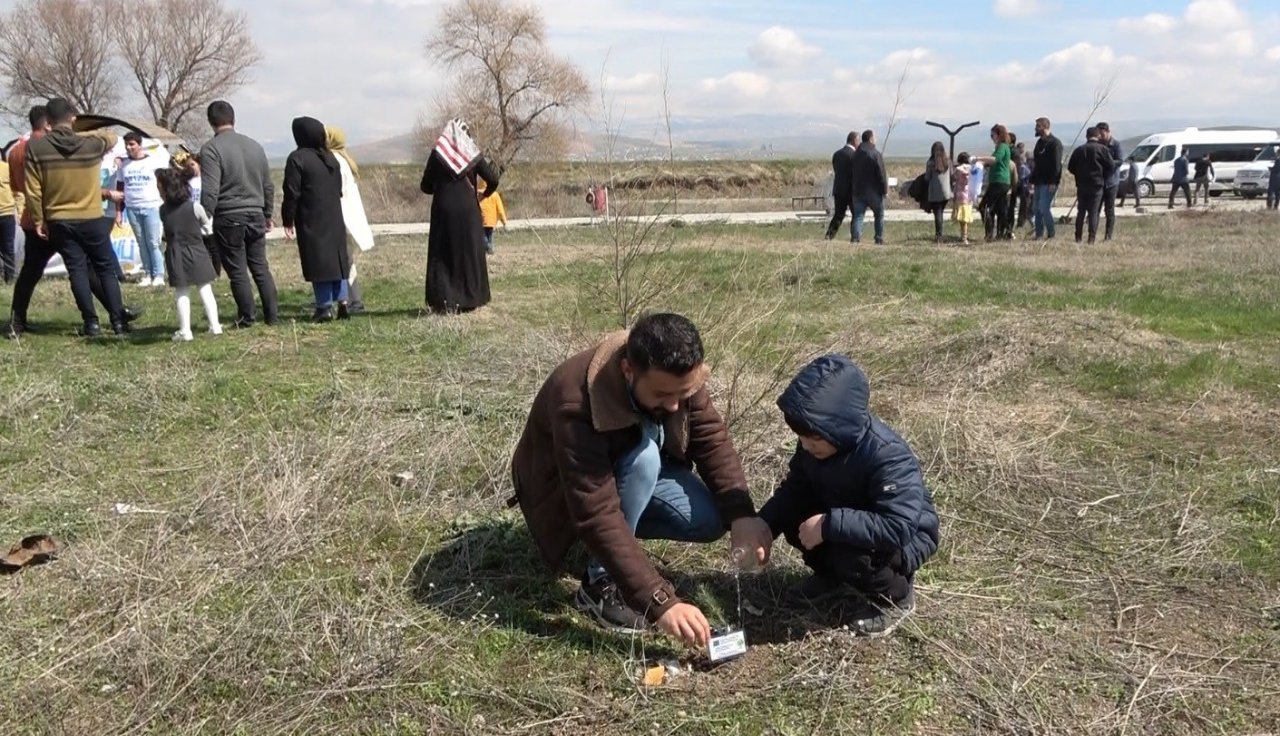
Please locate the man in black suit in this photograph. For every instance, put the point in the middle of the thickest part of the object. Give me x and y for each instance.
(842, 185)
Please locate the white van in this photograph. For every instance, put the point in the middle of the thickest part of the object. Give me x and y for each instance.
(1252, 179)
(1229, 149)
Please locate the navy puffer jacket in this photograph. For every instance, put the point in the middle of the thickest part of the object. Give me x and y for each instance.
(872, 490)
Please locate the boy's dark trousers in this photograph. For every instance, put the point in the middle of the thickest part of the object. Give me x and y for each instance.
(1109, 210)
(877, 575)
(8, 258)
(85, 246)
(36, 256)
(241, 241)
(1186, 192)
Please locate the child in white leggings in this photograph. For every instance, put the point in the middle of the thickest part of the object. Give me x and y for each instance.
(187, 260)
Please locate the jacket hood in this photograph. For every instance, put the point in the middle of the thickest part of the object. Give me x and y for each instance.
(65, 140)
(829, 398)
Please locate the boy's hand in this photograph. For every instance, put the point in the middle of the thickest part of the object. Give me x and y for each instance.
(811, 531)
(752, 534)
(685, 622)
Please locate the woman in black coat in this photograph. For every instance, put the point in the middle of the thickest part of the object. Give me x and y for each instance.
(457, 272)
(312, 209)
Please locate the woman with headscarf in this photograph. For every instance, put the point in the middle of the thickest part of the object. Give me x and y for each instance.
(352, 209)
(312, 211)
(457, 275)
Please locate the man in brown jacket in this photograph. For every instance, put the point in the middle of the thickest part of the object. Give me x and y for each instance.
(606, 459)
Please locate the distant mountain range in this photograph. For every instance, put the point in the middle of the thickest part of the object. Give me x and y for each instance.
(775, 136)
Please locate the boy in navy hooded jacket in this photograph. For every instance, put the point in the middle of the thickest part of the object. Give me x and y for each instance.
(854, 500)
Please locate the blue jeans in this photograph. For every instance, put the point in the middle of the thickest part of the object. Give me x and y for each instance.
(147, 230)
(861, 204)
(1273, 196)
(661, 500)
(1043, 210)
(328, 292)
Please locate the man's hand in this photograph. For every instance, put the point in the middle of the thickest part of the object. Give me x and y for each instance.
(42, 231)
(270, 224)
(116, 197)
(752, 534)
(119, 218)
(289, 233)
(811, 531)
(685, 622)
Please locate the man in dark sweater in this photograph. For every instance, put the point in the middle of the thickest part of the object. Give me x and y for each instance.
(842, 182)
(238, 194)
(870, 186)
(1046, 174)
(1092, 166)
(1110, 191)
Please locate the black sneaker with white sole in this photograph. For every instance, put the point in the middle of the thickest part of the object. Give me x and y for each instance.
(603, 603)
(880, 619)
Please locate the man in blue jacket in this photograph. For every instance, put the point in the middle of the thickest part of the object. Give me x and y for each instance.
(1113, 181)
(1181, 176)
(854, 499)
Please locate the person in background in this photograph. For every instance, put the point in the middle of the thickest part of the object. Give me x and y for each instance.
(1015, 187)
(938, 174)
(237, 192)
(842, 182)
(141, 202)
(1273, 186)
(1113, 181)
(1092, 166)
(1022, 159)
(64, 194)
(962, 210)
(353, 214)
(187, 165)
(312, 211)
(1000, 179)
(1046, 175)
(1204, 176)
(870, 186)
(1130, 186)
(187, 261)
(1181, 171)
(492, 212)
(8, 225)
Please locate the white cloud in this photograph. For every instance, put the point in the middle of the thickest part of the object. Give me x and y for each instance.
(1208, 29)
(1273, 53)
(781, 47)
(1018, 8)
(746, 84)
(641, 82)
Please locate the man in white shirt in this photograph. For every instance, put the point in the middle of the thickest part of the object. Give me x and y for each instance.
(141, 198)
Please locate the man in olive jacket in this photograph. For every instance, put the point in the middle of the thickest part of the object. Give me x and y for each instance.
(606, 458)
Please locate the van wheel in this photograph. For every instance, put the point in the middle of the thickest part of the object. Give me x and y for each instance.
(1147, 188)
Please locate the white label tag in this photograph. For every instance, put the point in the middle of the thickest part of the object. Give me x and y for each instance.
(727, 646)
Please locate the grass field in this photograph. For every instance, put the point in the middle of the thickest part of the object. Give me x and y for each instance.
(1100, 428)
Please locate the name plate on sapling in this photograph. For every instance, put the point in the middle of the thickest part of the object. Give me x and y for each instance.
(726, 644)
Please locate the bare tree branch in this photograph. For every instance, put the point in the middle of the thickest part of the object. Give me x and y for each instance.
(48, 48)
(176, 70)
(899, 99)
(510, 87)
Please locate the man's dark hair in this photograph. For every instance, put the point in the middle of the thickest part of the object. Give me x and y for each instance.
(38, 116)
(1044, 122)
(133, 137)
(852, 137)
(867, 135)
(1103, 126)
(221, 113)
(668, 342)
(1091, 133)
(59, 111)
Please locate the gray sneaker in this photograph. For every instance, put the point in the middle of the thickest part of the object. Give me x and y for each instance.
(878, 620)
(603, 603)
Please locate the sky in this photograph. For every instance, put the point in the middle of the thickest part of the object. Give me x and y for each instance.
(361, 64)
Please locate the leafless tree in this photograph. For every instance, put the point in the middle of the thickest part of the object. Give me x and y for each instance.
(183, 54)
(58, 48)
(510, 87)
(1101, 95)
(900, 97)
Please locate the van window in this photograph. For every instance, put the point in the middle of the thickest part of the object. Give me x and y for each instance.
(1226, 152)
(1268, 154)
(1164, 155)
(1142, 153)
